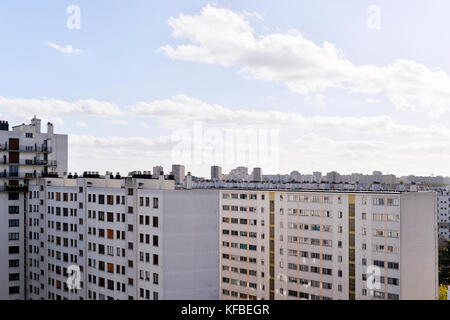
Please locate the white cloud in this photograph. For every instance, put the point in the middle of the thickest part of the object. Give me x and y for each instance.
(122, 123)
(221, 36)
(68, 49)
(81, 124)
(182, 110)
(310, 143)
(145, 125)
(316, 100)
(56, 121)
(48, 107)
(118, 154)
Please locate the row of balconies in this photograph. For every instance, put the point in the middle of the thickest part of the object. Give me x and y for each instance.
(42, 149)
(17, 175)
(13, 188)
(31, 162)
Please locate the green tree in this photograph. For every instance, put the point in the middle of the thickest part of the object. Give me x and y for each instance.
(444, 265)
(443, 292)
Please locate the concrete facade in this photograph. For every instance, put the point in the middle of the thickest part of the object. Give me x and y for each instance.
(318, 245)
(133, 238)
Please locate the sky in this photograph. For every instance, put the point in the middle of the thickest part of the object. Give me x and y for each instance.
(322, 85)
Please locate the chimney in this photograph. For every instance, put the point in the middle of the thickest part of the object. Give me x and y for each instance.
(36, 123)
(189, 181)
(49, 128)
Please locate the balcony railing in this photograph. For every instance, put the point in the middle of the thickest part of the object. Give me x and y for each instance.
(13, 188)
(16, 175)
(50, 163)
(26, 149)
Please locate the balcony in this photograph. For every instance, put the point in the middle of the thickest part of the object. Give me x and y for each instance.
(13, 188)
(49, 163)
(16, 175)
(32, 149)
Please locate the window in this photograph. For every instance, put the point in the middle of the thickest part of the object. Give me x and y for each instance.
(155, 203)
(110, 199)
(14, 263)
(13, 222)
(14, 276)
(13, 209)
(110, 268)
(13, 236)
(12, 250)
(14, 290)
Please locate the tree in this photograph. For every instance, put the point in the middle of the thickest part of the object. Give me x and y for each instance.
(444, 265)
(443, 292)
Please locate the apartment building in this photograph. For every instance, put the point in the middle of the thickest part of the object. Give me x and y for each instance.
(257, 174)
(25, 154)
(319, 245)
(135, 237)
(444, 215)
(178, 171)
(216, 173)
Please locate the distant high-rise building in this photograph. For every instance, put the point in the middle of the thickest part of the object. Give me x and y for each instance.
(178, 173)
(317, 175)
(296, 176)
(216, 173)
(157, 171)
(239, 174)
(333, 176)
(257, 174)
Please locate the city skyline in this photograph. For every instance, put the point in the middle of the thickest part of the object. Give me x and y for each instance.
(123, 98)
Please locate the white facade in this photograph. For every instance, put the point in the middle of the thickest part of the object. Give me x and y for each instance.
(318, 244)
(132, 238)
(25, 153)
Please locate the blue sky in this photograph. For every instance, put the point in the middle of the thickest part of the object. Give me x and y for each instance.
(121, 63)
